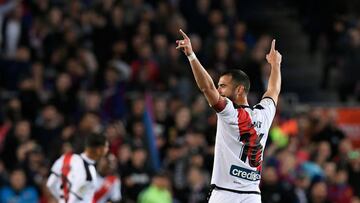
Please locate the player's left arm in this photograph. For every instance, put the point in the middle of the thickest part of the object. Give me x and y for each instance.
(274, 59)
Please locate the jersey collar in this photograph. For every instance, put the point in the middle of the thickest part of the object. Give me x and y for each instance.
(87, 159)
(236, 106)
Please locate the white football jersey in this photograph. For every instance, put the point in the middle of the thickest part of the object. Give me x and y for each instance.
(81, 179)
(240, 140)
(107, 188)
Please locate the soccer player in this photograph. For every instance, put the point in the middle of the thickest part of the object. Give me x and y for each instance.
(73, 176)
(241, 130)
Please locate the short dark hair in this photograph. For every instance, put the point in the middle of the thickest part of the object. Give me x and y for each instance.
(95, 140)
(239, 77)
(162, 174)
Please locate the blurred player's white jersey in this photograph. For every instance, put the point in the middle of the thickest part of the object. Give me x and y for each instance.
(240, 140)
(107, 188)
(73, 179)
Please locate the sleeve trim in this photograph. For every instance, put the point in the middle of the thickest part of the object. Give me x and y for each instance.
(220, 105)
(270, 99)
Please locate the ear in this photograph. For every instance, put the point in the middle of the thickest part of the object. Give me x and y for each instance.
(240, 89)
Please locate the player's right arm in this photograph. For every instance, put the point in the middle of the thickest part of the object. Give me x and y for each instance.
(54, 181)
(78, 189)
(202, 77)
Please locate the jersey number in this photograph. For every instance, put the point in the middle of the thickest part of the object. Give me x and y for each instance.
(252, 149)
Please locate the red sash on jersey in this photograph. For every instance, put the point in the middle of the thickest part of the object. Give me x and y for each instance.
(106, 186)
(64, 173)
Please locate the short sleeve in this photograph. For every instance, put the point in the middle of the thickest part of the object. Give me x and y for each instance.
(56, 167)
(267, 108)
(228, 111)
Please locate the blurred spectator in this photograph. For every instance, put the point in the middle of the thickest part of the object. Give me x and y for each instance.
(20, 135)
(113, 94)
(330, 133)
(175, 162)
(197, 187)
(138, 135)
(274, 191)
(182, 124)
(4, 9)
(89, 123)
(64, 98)
(340, 191)
(13, 110)
(48, 128)
(302, 184)
(15, 32)
(29, 98)
(144, 70)
(15, 68)
(330, 172)
(158, 191)
(322, 154)
(124, 154)
(318, 193)
(136, 175)
(17, 191)
(115, 133)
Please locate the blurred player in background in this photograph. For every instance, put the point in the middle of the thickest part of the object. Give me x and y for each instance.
(73, 176)
(108, 186)
(242, 130)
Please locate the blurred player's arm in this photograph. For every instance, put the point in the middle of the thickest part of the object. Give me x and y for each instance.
(202, 77)
(78, 189)
(51, 184)
(116, 192)
(274, 85)
(54, 180)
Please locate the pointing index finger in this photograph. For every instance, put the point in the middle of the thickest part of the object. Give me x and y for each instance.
(273, 45)
(183, 34)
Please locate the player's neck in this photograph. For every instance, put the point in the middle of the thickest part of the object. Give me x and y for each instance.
(89, 154)
(242, 101)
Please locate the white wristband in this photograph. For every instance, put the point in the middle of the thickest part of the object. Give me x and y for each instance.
(192, 56)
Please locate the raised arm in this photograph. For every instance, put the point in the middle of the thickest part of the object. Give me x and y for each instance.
(202, 77)
(274, 85)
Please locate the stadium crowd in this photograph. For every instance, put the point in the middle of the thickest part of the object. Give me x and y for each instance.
(70, 68)
(334, 29)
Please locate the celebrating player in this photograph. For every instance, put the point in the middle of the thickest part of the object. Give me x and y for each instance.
(242, 130)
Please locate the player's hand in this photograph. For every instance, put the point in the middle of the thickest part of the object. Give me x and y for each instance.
(273, 57)
(184, 44)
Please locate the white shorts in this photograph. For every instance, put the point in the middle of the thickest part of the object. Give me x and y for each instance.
(224, 196)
